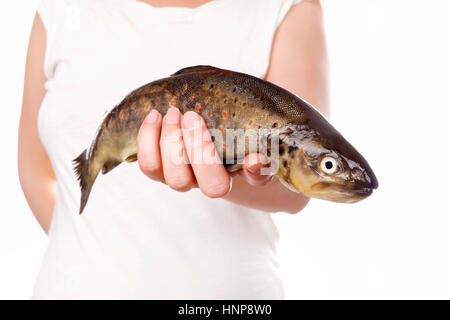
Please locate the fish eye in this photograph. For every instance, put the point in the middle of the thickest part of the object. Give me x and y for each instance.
(328, 165)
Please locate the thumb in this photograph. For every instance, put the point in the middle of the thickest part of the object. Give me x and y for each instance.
(251, 170)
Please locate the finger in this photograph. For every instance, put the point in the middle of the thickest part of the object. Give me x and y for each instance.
(212, 178)
(176, 169)
(251, 170)
(149, 156)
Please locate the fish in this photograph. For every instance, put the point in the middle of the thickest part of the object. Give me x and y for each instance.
(304, 150)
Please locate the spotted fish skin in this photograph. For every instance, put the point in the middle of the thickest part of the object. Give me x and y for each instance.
(225, 99)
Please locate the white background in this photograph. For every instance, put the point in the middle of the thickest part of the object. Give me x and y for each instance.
(390, 97)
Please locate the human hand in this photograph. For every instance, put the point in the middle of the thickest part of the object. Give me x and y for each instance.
(178, 151)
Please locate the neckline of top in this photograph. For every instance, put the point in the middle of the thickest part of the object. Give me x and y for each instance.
(175, 8)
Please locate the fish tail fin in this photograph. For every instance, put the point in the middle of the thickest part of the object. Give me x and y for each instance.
(84, 176)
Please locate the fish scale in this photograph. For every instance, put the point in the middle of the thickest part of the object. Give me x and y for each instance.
(229, 101)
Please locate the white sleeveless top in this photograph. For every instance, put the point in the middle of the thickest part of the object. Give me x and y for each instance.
(138, 238)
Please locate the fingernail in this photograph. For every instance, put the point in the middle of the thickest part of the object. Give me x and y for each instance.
(191, 121)
(254, 167)
(172, 116)
(152, 117)
(255, 163)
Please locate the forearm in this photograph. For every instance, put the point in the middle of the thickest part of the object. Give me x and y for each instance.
(36, 174)
(35, 170)
(272, 197)
(40, 193)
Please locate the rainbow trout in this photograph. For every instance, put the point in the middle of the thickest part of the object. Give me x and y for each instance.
(307, 153)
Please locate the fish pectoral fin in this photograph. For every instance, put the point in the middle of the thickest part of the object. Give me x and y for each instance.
(131, 158)
(109, 165)
(233, 168)
(195, 69)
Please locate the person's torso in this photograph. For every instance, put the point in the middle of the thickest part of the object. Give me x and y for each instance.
(138, 238)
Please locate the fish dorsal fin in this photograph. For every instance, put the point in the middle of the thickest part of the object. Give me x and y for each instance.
(195, 69)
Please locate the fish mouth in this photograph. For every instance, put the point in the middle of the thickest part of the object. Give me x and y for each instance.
(363, 191)
(340, 194)
(357, 194)
(372, 181)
